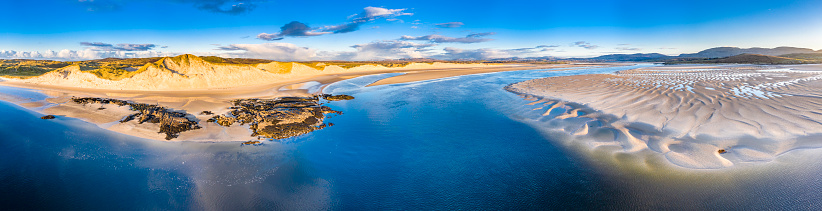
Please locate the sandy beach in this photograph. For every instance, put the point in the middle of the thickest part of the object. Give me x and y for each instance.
(196, 86)
(695, 116)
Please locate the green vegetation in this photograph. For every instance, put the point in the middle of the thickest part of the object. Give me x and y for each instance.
(746, 59)
(220, 60)
(27, 68)
(812, 57)
(114, 74)
(319, 65)
(118, 69)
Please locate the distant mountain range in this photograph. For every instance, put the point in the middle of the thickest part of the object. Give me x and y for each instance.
(713, 55)
(629, 57)
(751, 59)
(721, 52)
(806, 54)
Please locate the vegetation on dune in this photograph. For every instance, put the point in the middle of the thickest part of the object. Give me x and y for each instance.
(115, 74)
(118, 69)
(27, 68)
(220, 60)
(813, 57)
(319, 65)
(746, 59)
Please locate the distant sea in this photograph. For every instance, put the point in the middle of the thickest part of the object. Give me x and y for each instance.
(452, 143)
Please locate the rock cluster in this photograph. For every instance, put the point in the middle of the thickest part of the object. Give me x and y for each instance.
(272, 118)
(172, 123)
(277, 118)
(337, 97)
(47, 117)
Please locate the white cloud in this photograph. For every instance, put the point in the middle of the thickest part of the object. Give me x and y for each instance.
(585, 45)
(436, 38)
(273, 51)
(389, 49)
(74, 55)
(369, 14)
(452, 53)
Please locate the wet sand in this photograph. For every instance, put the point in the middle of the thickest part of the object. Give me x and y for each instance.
(701, 117)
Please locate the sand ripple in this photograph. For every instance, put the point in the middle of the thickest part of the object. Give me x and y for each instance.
(753, 113)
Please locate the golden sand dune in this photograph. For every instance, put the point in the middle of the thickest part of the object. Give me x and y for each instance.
(689, 114)
(189, 84)
(189, 72)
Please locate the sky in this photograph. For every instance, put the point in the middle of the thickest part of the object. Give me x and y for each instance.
(379, 30)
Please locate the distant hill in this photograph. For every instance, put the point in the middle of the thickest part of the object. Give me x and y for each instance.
(817, 57)
(721, 52)
(779, 55)
(747, 59)
(629, 57)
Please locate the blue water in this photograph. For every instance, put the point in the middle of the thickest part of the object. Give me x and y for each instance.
(441, 144)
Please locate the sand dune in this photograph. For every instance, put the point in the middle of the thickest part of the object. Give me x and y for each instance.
(189, 72)
(189, 84)
(689, 114)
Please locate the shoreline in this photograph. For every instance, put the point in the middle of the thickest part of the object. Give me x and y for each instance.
(57, 101)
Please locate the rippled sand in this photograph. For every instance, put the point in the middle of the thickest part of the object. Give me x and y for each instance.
(695, 116)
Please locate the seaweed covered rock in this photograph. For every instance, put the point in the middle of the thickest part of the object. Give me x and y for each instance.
(172, 123)
(252, 142)
(277, 118)
(337, 97)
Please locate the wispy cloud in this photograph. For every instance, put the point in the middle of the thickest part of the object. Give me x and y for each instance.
(452, 53)
(377, 50)
(435, 38)
(627, 49)
(547, 46)
(231, 7)
(293, 29)
(274, 51)
(388, 49)
(99, 46)
(584, 44)
(450, 25)
(298, 29)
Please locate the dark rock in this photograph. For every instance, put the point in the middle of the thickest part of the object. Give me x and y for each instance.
(251, 142)
(276, 118)
(47, 117)
(722, 151)
(172, 123)
(206, 113)
(337, 97)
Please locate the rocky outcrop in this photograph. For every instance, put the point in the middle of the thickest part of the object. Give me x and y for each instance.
(271, 118)
(172, 123)
(277, 118)
(47, 117)
(337, 97)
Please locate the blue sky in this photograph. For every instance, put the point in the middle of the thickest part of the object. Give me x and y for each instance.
(375, 30)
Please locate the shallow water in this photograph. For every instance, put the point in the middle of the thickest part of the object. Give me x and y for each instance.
(453, 143)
